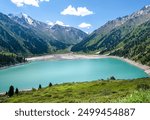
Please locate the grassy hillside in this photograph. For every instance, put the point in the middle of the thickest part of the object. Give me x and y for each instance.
(127, 36)
(132, 43)
(97, 91)
(136, 45)
(110, 34)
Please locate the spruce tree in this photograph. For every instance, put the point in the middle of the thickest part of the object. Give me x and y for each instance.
(50, 84)
(17, 91)
(40, 86)
(11, 91)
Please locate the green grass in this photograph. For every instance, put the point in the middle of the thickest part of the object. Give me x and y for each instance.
(87, 92)
(137, 97)
(8, 54)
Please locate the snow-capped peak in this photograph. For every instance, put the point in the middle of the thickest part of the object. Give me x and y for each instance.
(27, 21)
(27, 18)
(147, 6)
(30, 21)
(23, 16)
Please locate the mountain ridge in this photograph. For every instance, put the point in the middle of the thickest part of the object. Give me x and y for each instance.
(17, 35)
(56, 32)
(111, 35)
(33, 37)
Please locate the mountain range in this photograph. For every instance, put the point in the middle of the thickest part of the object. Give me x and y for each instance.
(21, 34)
(127, 36)
(64, 34)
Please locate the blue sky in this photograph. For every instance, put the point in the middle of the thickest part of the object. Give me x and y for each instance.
(86, 15)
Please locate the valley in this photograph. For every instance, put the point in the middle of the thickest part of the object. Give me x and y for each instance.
(116, 55)
(126, 37)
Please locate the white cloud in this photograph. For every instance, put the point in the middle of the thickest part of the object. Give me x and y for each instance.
(57, 23)
(85, 25)
(21, 3)
(80, 11)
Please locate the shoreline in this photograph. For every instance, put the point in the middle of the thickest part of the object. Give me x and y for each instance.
(15, 65)
(23, 90)
(71, 56)
(74, 56)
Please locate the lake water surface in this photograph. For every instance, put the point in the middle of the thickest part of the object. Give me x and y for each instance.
(43, 72)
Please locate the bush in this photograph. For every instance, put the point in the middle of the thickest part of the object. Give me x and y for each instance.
(143, 87)
(112, 78)
(11, 91)
(33, 89)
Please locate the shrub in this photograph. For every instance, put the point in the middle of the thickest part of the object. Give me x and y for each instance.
(143, 87)
(112, 78)
(11, 91)
(33, 89)
(103, 83)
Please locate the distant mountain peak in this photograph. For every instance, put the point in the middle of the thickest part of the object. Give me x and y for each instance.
(146, 7)
(27, 18)
(121, 20)
(114, 32)
(22, 16)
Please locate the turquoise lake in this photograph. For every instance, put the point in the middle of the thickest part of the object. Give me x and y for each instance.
(32, 74)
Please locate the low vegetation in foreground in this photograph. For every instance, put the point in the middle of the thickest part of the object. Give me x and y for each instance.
(105, 91)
